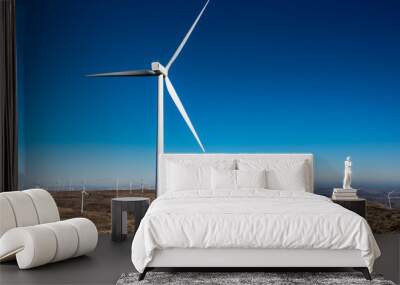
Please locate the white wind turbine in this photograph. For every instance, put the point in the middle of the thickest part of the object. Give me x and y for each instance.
(117, 186)
(83, 194)
(157, 69)
(389, 197)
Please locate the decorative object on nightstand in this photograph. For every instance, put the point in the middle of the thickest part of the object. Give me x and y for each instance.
(347, 196)
(358, 205)
(347, 192)
(347, 173)
(119, 214)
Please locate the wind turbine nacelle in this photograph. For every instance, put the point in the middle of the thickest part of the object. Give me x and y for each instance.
(158, 67)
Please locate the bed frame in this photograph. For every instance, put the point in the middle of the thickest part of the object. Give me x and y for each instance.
(237, 259)
(262, 259)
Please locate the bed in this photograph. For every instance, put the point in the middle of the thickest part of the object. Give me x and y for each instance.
(245, 211)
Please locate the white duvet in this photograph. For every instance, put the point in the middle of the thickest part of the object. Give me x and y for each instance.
(250, 219)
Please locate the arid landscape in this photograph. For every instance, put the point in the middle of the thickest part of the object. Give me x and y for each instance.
(382, 219)
(97, 207)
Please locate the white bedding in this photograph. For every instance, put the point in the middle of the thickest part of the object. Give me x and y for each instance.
(250, 218)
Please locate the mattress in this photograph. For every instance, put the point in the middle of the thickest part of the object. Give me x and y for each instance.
(250, 219)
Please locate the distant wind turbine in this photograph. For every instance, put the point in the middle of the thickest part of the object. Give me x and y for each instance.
(157, 69)
(117, 186)
(390, 198)
(83, 194)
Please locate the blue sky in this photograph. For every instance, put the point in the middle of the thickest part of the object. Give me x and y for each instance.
(256, 76)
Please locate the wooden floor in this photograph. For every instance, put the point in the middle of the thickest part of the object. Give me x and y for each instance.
(111, 259)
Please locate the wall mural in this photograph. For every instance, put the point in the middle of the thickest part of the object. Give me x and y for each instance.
(254, 77)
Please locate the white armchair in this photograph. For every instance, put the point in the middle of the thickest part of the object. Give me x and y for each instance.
(31, 230)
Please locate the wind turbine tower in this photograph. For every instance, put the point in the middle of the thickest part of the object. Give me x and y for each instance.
(162, 73)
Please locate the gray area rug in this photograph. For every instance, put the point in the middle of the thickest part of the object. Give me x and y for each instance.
(228, 278)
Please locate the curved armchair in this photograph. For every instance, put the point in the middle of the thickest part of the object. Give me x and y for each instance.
(31, 230)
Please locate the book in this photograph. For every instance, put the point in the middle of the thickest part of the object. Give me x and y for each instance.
(341, 190)
(345, 198)
(344, 194)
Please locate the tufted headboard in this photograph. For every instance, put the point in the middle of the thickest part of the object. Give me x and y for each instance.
(215, 158)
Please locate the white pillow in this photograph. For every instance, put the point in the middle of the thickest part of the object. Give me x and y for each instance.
(223, 179)
(188, 177)
(281, 174)
(198, 162)
(251, 178)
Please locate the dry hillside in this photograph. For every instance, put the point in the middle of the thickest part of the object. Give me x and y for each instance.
(98, 209)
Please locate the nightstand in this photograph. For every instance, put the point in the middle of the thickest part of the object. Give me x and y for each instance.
(358, 205)
(119, 214)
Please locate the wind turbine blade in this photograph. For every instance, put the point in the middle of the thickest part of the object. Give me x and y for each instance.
(182, 44)
(179, 105)
(144, 72)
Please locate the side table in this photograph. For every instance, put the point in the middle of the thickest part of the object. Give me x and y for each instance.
(357, 205)
(119, 214)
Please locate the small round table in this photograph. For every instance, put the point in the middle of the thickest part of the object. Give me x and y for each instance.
(119, 214)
